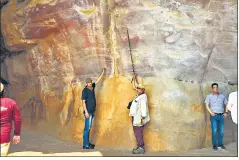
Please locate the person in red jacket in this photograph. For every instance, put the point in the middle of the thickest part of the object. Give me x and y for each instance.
(9, 112)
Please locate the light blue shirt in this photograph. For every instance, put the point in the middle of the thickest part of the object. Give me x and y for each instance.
(216, 102)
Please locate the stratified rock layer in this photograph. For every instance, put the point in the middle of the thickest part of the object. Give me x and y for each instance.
(178, 47)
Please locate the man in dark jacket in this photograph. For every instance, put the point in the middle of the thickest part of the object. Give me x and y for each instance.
(9, 112)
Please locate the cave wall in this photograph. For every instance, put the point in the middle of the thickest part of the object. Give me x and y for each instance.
(179, 47)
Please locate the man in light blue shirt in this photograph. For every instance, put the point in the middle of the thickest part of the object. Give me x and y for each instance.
(215, 104)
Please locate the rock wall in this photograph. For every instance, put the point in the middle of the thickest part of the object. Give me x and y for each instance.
(179, 47)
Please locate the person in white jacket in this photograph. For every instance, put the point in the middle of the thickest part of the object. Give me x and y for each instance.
(232, 106)
(140, 116)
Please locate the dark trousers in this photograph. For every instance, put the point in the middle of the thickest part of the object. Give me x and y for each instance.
(138, 132)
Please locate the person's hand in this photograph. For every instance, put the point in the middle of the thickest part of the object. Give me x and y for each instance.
(16, 139)
(225, 115)
(142, 120)
(212, 114)
(61, 122)
(87, 115)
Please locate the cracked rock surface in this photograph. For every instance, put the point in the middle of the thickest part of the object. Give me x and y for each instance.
(179, 47)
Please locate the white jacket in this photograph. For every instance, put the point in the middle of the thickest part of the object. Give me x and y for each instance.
(139, 109)
(232, 105)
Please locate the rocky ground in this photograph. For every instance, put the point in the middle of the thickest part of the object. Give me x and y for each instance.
(37, 144)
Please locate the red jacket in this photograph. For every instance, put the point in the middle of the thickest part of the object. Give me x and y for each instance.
(9, 111)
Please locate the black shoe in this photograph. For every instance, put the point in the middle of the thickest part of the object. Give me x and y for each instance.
(214, 148)
(88, 147)
(222, 147)
(92, 145)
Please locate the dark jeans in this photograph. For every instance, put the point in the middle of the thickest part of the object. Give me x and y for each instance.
(138, 132)
(88, 125)
(217, 125)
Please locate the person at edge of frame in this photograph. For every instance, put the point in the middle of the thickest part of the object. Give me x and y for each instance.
(9, 112)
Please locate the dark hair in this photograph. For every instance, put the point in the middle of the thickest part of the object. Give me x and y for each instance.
(214, 84)
(2, 94)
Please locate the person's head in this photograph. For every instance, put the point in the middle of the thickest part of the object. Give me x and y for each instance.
(73, 82)
(140, 89)
(1, 89)
(88, 82)
(215, 88)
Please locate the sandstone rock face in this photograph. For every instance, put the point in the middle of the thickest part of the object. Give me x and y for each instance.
(179, 47)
